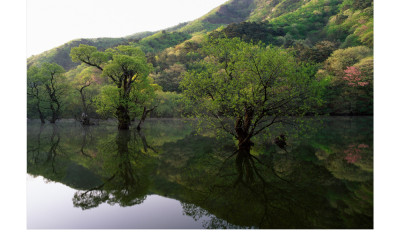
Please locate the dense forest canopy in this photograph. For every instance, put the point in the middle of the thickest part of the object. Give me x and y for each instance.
(148, 74)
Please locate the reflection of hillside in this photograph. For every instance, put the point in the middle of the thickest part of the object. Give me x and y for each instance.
(299, 189)
(312, 185)
(246, 193)
(182, 155)
(103, 164)
(47, 157)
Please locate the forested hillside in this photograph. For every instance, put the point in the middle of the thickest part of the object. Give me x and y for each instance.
(334, 38)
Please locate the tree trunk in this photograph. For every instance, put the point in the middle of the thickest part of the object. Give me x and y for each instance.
(242, 127)
(245, 143)
(85, 117)
(144, 142)
(85, 120)
(144, 115)
(125, 170)
(123, 117)
(142, 118)
(54, 143)
(41, 116)
(53, 100)
(55, 111)
(53, 117)
(245, 167)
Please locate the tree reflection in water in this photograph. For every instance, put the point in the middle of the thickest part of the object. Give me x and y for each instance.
(35, 148)
(126, 184)
(44, 152)
(86, 133)
(249, 192)
(323, 182)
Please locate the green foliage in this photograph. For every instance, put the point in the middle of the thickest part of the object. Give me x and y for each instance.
(251, 32)
(231, 12)
(37, 97)
(127, 68)
(249, 83)
(199, 26)
(366, 65)
(90, 80)
(321, 182)
(315, 54)
(161, 41)
(61, 54)
(308, 20)
(170, 105)
(340, 97)
(127, 63)
(143, 94)
(170, 78)
(342, 58)
(108, 101)
(362, 4)
(87, 83)
(311, 29)
(351, 41)
(89, 55)
(51, 70)
(47, 88)
(185, 53)
(353, 24)
(267, 9)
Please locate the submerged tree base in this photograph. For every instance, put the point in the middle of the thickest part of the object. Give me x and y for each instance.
(123, 126)
(87, 123)
(245, 144)
(124, 121)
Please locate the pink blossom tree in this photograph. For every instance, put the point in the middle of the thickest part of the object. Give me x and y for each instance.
(353, 153)
(353, 77)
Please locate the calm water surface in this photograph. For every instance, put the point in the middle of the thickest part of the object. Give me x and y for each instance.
(167, 177)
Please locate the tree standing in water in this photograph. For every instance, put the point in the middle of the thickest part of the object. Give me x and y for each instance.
(125, 65)
(244, 88)
(47, 86)
(82, 83)
(35, 91)
(53, 81)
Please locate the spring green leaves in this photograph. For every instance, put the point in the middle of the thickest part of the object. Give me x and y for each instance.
(255, 85)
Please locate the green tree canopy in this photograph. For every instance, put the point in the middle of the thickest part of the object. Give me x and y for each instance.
(343, 58)
(244, 88)
(127, 68)
(46, 85)
(35, 91)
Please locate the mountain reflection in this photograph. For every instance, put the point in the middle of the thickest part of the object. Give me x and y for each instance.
(248, 192)
(324, 181)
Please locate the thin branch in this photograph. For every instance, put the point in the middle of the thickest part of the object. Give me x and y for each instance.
(223, 126)
(266, 126)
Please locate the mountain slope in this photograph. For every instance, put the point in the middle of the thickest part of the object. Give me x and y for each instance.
(269, 9)
(290, 19)
(232, 11)
(60, 55)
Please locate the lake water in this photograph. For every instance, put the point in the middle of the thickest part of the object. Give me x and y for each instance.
(169, 177)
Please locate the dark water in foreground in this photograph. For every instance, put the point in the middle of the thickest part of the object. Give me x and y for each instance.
(168, 177)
